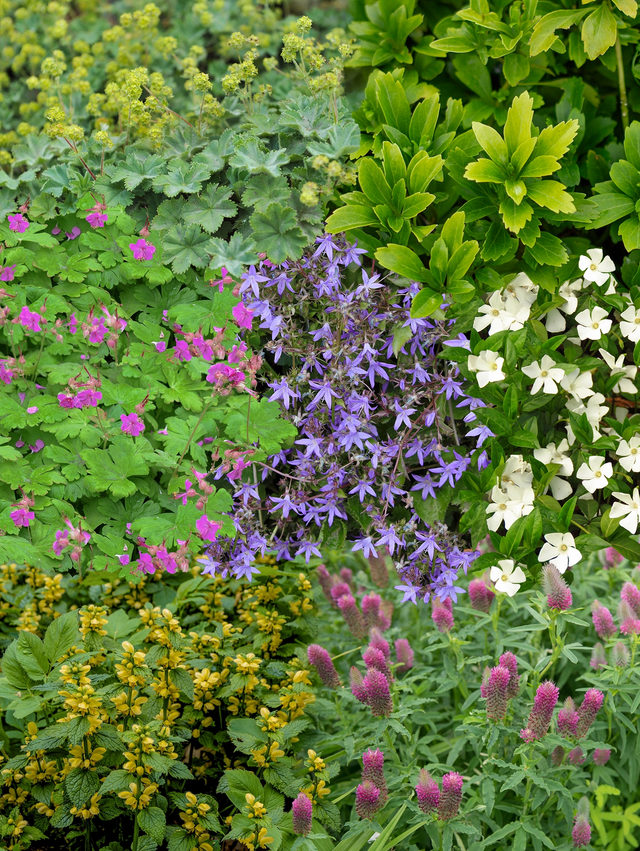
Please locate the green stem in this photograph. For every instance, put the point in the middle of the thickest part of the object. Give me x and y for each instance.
(624, 105)
(191, 436)
(136, 826)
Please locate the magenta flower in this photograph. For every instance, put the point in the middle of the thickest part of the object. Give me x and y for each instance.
(33, 409)
(321, 660)
(357, 686)
(239, 466)
(352, 615)
(98, 330)
(145, 563)
(7, 273)
(377, 640)
(367, 800)
(373, 771)
(237, 353)
(375, 659)
(87, 398)
(631, 594)
(302, 815)
(603, 621)
(6, 375)
(22, 517)
(242, 315)
(340, 589)
(220, 373)
(630, 622)
(142, 250)
(61, 542)
(496, 693)
(371, 610)
(442, 615)
(480, 595)
(427, 792)
(404, 655)
(74, 234)
(588, 710)
(97, 220)
(160, 346)
(601, 756)
(206, 528)
(542, 712)
(568, 719)
(451, 796)
(581, 833)
(29, 319)
(557, 591)
(376, 686)
(18, 223)
(65, 401)
(509, 661)
(131, 424)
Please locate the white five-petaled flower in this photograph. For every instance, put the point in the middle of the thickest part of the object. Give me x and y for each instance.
(560, 550)
(554, 320)
(522, 289)
(578, 383)
(594, 409)
(596, 473)
(508, 505)
(545, 374)
(500, 315)
(560, 488)
(626, 373)
(596, 267)
(628, 453)
(628, 508)
(488, 366)
(507, 577)
(516, 472)
(630, 326)
(592, 324)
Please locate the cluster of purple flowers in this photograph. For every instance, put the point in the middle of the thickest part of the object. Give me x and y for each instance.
(374, 416)
(446, 802)
(372, 794)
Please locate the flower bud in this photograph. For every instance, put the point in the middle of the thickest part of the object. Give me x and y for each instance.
(373, 770)
(568, 719)
(496, 693)
(557, 591)
(451, 796)
(588, 710)
(378, 571)
(509, 661)
(302, 815)
(377, 640)
(374, 659)
(601, 756)
(598, 657)
(620, 655)
(480, 595)
(602, 620)
(357, 686)
(404, 655)
(427, 792)
(581, 833)
(321, 660)
(367, 800)
(378, 694)
(352, 615)
(542, 712)
(371, 610)
(442, 615)
(630, 622)
(326, 582)
(631, 594)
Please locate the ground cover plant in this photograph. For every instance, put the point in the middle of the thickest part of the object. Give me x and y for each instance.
(318, 425)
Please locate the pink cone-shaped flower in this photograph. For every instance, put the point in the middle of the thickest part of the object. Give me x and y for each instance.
(371, 610)
(568, 719)
(373, 770)
(631, 594)
(630, 622)
(321, 659)
(496, 692)
(427, 792)
(374, 659)
(542, 712)
(377, 640)
(378, 694)
(480, 595)
(588, 710)
(598, 657)
(509, 661)
(367, 800)
(302, 815)
(576, 756)
(620, 655)
(404, 655)
(612, 558)
(352, 615)
(339, 589)
(581, 833)
(451, 796)
(326, 582)
(378, 571)
(601, 756)
(442, 616)
(357, 686)
(557, 591)
(602, 620)
(557, 756)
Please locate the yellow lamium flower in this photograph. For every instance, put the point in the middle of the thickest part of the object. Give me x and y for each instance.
(254, 808)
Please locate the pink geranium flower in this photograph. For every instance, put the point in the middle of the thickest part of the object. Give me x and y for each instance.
(142, 250)
(74, 234)
(207, 529)
(18, 223)
(97, 220)
(131, 424)
(22, 517)
(29, 319)
(8, 273)
(242, 315)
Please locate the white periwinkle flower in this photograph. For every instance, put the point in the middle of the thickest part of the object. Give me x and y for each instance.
(488, 366)
(508, 505)
(628, 508)
(592, 324)
(596, 473)
(554, 320)
(630, 325)
(560, 550)
(560, 488)
(578, 383)
(628, 453)
(545, 375)
(627, 373)
(516, 472)
(596, 267)
(501, 315)
(522, 289)
(507, 577)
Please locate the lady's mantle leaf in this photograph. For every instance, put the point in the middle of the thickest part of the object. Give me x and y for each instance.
(111, 469)
(184, 247)
(277, 233)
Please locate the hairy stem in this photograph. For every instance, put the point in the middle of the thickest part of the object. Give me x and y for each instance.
(624, 105)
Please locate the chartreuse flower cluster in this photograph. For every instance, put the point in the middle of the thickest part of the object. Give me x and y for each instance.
(119, 703)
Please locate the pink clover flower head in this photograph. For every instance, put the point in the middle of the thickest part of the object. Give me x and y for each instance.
(601, 756)
(302, 815)
(207, 529)
(557, 591)
(30, 319)
(373, 771)
(367, 800)
(568, 719)
(509, 661)
(442, 616)
(620, 656)
(631, 594)
(74, 234)
(22, 517)
(377, 640)
(352, 615)
(630, 623)
(542, 712)
(480, 595)
(603, 621)
(7, 273)
(581, 833)
(589, 708)
(242, 315)
(495, 691)
(451, 796)
(371, 610)
(375, 659)
(142, 250)
(427, 792)
(340, 589)
(321, 660)
(404, 655)
(612, 558)
(131, 424)
(97, 220)
(598, 657)
(357, 686)
(379, 700)
(18, 223)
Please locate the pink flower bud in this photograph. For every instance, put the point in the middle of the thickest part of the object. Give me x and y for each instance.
(376, 686)
(451, 796)
(588, 710)
(542, 712)
(630, 623)
(631, 594)
(598, 657)
(612, 558)
(427, 792)
(557, 591)
(509, 661)
(321, 659)
(581, 834)
(480, 595)
(375, 659)
(367, 800)
(496, 692)
(373, 771)
(371, 610)
(576, 756)
(352, 615)
(357, 686)
(557, 756)
(404, 655)
(601, 756)
(377, 640)
(442, 616)
(602, 620)
(302, 815)
(326, 582)
(568, 719)
(339, 590)
(620, 655)
(486, 675)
